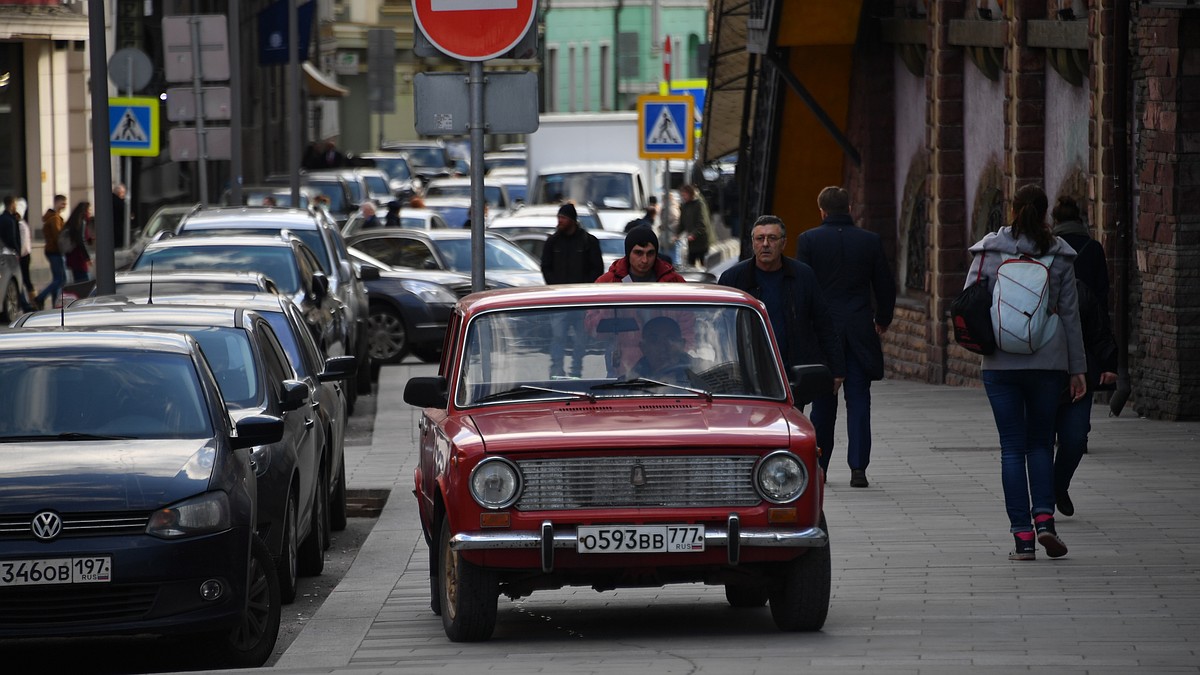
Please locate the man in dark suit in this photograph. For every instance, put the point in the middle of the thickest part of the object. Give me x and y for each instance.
(852, 271)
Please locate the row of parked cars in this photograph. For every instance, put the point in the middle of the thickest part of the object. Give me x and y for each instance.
(174, 454)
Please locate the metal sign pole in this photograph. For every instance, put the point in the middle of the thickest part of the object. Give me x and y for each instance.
(101, 157)
(198, 92)
(127, 170)
(476, 83)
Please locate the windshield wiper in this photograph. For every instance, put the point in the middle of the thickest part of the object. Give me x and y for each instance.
(642, 382)
(68, 436)
(525, 388)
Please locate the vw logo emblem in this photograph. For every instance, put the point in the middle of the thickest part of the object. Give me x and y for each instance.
(637, 476)
(47, 525)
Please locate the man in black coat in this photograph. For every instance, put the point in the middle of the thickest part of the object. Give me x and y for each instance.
(571, 256)
(856, 282)
(799, 316)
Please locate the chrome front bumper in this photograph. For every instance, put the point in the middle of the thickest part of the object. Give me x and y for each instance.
(732, 537)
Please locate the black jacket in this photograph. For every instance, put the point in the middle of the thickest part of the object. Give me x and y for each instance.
(851, 268)
(1091, 282)
(572, 259)
(10, 232)
(812, 337)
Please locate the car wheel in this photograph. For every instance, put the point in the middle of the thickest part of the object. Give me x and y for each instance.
(337, 508)
(286, 567)
(365, 366)
(800, 602)
(252, 640)
(428, 354)
(389, 335)
(468, 593)
(740, 595)
(11, 308)
(312, 551)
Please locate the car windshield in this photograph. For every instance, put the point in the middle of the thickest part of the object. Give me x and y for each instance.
(311, 237)
(499, 254)
(427, 157)
(394, 167)
(517, 191)
(277, 262)
(377, 185)
(281, 198)
(605, 189)
(98, 395)
(491, 193)
(455, 216)
(332, 189)
(632, 350)
(612, 247)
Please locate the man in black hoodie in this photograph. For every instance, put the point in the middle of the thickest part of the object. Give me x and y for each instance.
(571, 256)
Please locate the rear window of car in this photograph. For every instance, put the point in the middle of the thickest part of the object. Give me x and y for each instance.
(311, 236)
(276, 262)
(123, 394)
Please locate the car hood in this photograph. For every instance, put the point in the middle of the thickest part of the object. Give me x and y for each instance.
(126, 475)
(649, 423)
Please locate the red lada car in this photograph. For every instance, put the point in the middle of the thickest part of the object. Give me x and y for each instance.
(675, 455)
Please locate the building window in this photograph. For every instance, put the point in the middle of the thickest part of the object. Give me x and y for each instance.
(552, 79)
(628, 56)
(606, 88)
(572, 90)
(587, 77)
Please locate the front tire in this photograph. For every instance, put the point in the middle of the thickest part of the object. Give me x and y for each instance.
(251, 642)
(468, 593)
(312, 551)
(388, 335)
(801, 600)
(10, 308)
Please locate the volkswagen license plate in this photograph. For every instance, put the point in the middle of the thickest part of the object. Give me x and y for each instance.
(56, 571)
(641, 539)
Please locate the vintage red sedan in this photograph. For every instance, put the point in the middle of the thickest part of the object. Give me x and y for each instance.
(671, 451)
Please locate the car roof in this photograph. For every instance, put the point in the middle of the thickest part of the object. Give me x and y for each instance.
(54, 338)
(591, 167)
(131, 314)
(224, 240)
(458, 180)
(605, 294)
(258, 301)
(252, 216)
(189, 275)
(387, 232)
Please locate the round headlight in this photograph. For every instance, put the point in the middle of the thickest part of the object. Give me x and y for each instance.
(781, 477)
(495, 483)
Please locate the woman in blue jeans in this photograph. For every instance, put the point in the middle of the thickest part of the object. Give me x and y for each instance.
(1024, 389)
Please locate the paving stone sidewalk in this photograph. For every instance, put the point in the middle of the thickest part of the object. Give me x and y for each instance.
(921, 583)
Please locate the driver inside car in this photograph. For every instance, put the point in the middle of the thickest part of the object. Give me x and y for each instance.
(663, 355)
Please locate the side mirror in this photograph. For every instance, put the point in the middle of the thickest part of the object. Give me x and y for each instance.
(257, 430)
(339, 368)
(320, 286)
(294, 395)
(809, 382)
(426, 392)
(368, 273)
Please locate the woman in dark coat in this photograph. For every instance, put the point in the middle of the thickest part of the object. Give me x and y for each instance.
(78, 260)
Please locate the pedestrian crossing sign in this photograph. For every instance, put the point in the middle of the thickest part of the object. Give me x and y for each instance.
(133, 126)
(665, 124)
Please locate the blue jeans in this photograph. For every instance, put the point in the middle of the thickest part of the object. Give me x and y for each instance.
(857, 390)
(560, 326)
(58, 273)
(1072, 427)
(1025, 405)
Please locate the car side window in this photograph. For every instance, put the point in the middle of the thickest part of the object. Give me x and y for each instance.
(274, 360)
(310, 353)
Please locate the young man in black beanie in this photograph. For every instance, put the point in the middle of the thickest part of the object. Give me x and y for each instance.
(571, 256)
(641, 262)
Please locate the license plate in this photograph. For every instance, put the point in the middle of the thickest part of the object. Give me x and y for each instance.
(95, 570)
(641, 539)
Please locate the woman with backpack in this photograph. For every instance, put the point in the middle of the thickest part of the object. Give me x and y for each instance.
(1024, 385)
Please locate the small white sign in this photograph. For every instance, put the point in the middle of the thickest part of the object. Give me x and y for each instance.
(470, 5)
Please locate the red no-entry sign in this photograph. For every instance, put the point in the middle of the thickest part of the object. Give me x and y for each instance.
(474, 30)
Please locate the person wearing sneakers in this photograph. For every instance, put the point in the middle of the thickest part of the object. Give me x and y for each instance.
(1024, 389)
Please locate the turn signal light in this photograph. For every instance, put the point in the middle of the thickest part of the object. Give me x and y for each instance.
(781, 516)
(493, 519)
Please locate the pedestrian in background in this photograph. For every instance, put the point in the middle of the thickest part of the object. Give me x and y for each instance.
(857, 285)
(370, 220)
(118, 206)
(570, 256)
(52, 227)
(695, 225)
(392, 218)
(28, 290)
(77, 257)
(641, 262)
(1074, 420)
(799, 317)
(1024, 389)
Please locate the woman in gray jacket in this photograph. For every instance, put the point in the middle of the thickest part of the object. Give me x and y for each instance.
(1024, 389)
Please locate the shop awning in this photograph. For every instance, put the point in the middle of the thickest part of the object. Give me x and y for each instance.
(731, 77)
(319, 85)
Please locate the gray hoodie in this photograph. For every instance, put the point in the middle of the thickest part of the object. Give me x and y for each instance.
(1065, 350)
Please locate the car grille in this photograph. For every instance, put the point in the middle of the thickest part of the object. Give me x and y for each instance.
(673, 482)
(32, 606)
(14, 528)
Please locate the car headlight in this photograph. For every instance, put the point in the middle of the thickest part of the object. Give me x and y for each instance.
(495, 483)
(204, 514)
(431, 293)
(780, 477)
